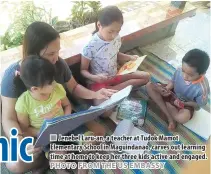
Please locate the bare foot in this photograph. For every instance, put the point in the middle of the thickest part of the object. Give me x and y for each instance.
(172, 126)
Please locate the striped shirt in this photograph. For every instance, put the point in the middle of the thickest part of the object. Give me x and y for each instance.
(196, 91)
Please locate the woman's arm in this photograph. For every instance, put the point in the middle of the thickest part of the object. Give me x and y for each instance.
(9, 119)
(85, 93)
(9, 116)
(66, 106)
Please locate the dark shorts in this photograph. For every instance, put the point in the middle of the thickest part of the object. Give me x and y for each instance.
(171, 99)
(111, 82)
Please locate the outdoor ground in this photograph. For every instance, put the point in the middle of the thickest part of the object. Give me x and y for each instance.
(193, 32)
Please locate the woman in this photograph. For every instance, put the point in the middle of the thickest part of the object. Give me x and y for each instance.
(39, 39)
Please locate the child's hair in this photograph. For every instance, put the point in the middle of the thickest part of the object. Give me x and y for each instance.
(107, 16)
(35, 71)
(197, 59)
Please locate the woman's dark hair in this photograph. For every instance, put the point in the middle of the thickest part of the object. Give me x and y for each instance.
(197, 59)
(37, 36)
(35, 71)
(107, 16)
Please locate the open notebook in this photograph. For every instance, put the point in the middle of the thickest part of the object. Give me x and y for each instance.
(126, 127)
(67, 123)
(131, 66)
(200, 123)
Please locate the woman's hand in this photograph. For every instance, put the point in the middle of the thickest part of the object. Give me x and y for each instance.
(100, 78)
(104, 93)
(31, 150)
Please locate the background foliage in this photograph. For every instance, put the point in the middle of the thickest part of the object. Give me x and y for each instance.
(82, 13)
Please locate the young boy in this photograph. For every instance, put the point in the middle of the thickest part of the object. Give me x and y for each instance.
(189, 85)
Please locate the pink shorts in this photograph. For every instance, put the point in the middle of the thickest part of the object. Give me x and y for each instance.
(111, 82)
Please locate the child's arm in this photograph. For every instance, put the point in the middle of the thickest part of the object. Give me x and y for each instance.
(122, 58)
(170, 85)
(66, 106)
(84, 71)
(23, 120)
(31, 131)
(200, 101)
(168, 88)
(165, 91)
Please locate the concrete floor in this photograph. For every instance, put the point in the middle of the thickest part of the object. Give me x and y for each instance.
(193, 32)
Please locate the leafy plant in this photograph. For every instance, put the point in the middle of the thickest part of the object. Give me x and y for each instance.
(84, 12)
(25, 14)
(95, 6)
(79, 11)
